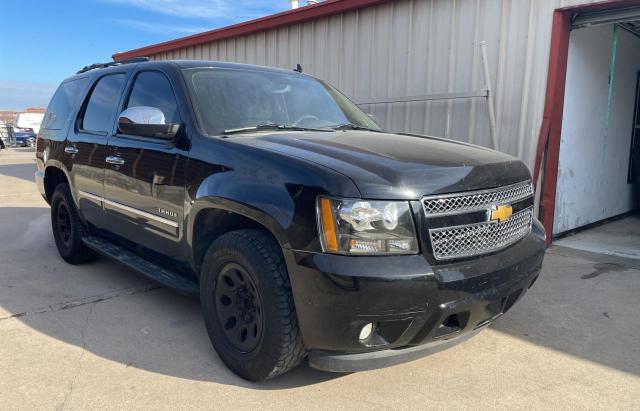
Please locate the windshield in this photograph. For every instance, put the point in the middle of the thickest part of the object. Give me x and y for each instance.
(231, 99)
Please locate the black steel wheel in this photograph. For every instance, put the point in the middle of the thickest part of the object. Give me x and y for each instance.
(248, 306)
(239, 307)
(64, 224)
(68, 228)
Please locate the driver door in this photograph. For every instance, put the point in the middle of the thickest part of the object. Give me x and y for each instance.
(145, 176)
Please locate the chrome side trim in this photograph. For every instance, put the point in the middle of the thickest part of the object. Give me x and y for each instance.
(144, 214)
(91, 196)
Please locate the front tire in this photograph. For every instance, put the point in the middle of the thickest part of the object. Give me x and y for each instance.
(67, 227)
(248, 307)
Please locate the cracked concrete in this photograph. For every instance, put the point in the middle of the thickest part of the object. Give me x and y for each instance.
(84, 300)
(98, 336)
(83, 330)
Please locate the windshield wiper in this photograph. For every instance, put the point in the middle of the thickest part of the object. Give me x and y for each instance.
(351, 126)
(271, 127)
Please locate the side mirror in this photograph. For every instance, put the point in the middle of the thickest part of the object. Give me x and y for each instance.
(146, 122)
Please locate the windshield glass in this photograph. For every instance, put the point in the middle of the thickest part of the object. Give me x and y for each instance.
(231, 99)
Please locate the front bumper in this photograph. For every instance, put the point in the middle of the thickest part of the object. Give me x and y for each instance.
(417, 308)
(339, 362)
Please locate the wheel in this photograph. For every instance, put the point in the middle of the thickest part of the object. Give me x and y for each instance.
(67, 227)
(247, 306)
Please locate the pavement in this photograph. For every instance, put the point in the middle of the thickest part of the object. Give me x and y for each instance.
(99, 336)
(620, 238)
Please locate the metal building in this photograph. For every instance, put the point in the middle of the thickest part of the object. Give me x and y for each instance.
(490, 72)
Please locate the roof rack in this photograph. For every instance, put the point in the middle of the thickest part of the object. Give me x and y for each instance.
(112, 63)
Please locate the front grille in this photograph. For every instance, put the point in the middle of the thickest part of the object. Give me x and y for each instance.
(480, 238)
(475, 200)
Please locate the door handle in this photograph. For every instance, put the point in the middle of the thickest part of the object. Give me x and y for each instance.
(116, 160)
(71, 150)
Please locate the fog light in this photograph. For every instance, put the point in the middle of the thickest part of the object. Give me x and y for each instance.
(366, 331)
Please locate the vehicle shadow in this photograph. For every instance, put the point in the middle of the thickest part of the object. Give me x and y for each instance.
(584, 304)
(581, 306)
(111, 311)
(22, 171)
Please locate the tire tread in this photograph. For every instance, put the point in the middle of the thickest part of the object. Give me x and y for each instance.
(79, 253)
(291, 350)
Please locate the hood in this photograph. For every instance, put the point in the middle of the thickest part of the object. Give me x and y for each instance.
(395, 166)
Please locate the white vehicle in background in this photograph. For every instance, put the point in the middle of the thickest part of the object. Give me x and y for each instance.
(29, 120)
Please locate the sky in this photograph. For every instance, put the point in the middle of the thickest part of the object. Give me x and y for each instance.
(43, 42)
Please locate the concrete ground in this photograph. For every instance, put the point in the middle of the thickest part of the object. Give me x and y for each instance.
(620, 238)
(100, 336)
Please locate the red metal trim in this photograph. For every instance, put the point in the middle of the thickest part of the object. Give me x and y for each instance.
(285, 18)
(550, 130)
(549, 140)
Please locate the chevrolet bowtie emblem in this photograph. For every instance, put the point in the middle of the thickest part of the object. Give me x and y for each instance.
(501, 212)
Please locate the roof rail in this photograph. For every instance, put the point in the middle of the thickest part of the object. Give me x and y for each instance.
(112, 63)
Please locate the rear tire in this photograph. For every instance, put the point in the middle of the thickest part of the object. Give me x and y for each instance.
(67, 227)
(248, 307)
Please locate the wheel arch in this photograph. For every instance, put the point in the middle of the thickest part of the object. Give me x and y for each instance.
(212, 217)
(53, 175)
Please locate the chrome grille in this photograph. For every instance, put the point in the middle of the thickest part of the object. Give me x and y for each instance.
(475, 200)
(480, 238)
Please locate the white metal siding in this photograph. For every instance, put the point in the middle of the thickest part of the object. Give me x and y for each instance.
(594, 153)
(417, 47)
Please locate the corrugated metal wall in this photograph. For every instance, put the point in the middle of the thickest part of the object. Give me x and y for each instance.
(417, 47)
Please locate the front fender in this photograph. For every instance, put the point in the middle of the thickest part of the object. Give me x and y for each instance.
(237, 207)
(276, 190)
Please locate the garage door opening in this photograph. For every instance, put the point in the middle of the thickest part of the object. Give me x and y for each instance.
(596, 206)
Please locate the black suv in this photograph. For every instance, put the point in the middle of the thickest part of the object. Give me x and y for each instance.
(306, 230)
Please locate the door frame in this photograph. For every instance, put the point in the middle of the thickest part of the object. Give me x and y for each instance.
(548, 150)
(631, 174)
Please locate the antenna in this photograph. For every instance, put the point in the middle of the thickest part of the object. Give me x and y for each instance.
(298, 68)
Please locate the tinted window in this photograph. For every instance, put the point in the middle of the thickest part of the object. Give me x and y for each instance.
(232, 99)
(152, 89)
(99, 114)
(63, 102)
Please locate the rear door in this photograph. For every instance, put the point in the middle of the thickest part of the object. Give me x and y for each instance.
(86, 145)
(145, 177)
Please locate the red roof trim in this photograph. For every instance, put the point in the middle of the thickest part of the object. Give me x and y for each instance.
(285, 18)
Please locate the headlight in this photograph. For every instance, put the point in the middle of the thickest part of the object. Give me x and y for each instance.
(349, 226)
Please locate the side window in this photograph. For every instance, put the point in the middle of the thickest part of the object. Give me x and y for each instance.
(152, 89)
(99, 113)
(63, 102)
